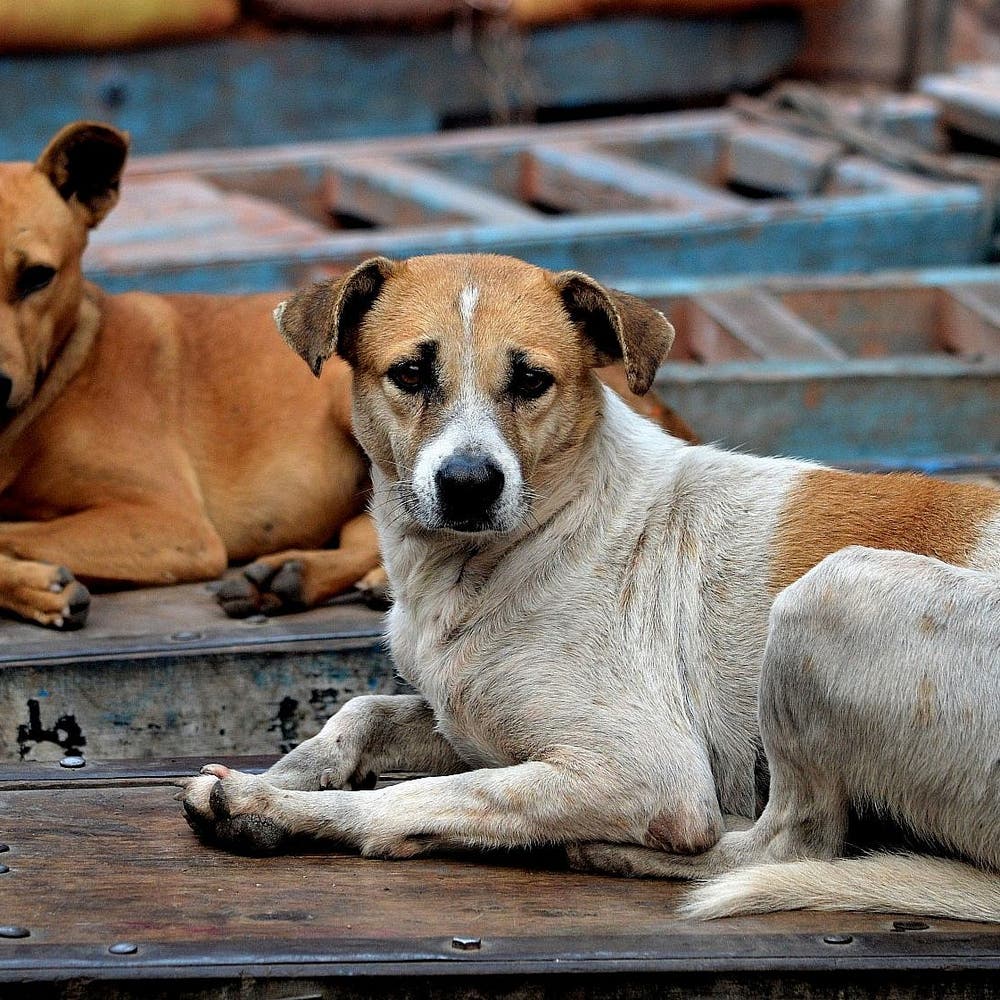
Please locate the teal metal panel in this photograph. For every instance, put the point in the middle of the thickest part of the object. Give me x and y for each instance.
(291, 86)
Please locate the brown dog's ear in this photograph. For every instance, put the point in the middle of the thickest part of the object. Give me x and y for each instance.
(84, 162)
(621, 327)
(325, 319)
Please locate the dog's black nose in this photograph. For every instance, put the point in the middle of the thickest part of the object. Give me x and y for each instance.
(5, 389)
(467, 487)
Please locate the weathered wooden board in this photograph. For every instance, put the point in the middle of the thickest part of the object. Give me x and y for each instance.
(686, 194)
(267, 87)
(969, 98)
(163, 671)
(180, 918)
(890, 370)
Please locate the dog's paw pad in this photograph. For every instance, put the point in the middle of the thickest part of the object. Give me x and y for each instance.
(287, 585)
(374, 589)
(230, 809)
(252, 834)
(77, 606)
(60, 578)
(260, 574)
(238, 597)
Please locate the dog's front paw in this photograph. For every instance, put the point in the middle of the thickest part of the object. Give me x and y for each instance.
(374, 588)
(267, 587)
(48, 595)
(242, 596)
(234, 810)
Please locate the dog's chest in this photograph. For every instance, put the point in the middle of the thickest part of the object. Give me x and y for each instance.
(481, 654)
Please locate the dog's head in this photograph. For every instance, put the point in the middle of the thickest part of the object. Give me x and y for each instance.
(46, 211)
(473, 375)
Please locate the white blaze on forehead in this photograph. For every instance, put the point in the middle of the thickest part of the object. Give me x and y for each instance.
(468, 299)
(470, 426)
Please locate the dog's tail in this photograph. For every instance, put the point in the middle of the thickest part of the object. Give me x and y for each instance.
(878, 883)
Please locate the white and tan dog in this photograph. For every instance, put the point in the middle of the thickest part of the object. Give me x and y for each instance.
(583, 603)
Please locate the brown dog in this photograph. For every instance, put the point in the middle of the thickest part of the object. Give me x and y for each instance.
(149, 439)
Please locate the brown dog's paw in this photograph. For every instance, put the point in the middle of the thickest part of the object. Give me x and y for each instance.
(50, 596)
(265, 588)
(374, 588)
(76, 608)
(242, 596)
(230, 809)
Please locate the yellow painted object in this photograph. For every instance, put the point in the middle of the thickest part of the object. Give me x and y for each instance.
(34, 25)
(533, 12)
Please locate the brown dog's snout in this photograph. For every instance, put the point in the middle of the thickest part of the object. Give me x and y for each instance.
(468, 486)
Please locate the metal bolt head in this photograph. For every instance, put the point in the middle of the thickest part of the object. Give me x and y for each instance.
(909, 925)
(466, 943)
(4, 848)
(837, 939)
(4, 869)
(123, 948)
(13, 931)
(72, 762)
(187, 636)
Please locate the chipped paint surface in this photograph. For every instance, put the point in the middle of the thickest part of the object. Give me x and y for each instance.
(162, 673)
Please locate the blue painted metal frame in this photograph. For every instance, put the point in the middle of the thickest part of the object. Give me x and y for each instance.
(897, 221)
(293, 86)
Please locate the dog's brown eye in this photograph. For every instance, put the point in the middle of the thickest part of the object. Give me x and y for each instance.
(411, 376)
(34, 279)
(530, 383)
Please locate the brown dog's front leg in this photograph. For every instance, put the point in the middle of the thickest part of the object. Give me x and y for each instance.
(122, 543)
(127, 543)
(296, 580)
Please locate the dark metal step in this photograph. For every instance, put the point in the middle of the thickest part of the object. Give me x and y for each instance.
(162, 672)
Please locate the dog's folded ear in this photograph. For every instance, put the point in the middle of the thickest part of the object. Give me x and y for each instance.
(325, 319)
(621, 327)
(84, 162)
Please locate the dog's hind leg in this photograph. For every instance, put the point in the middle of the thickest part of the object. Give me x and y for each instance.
(632, 861)
(806, 816)
(881, 680)
(295, 580)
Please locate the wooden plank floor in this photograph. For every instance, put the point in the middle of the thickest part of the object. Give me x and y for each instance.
(107, 859)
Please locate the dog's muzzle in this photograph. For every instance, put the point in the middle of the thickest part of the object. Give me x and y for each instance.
(468, 487)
